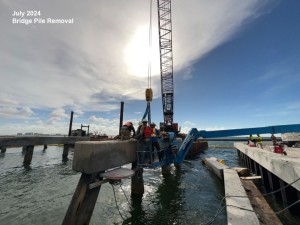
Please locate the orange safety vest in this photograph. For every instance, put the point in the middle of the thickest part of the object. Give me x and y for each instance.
(147, 131)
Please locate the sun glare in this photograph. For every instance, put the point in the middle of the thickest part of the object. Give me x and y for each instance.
(137, 53)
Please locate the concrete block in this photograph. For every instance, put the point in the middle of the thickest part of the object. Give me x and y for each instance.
(239, 209)
(216, 166)
(97, 156)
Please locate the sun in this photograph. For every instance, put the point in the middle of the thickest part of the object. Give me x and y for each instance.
(137, 53)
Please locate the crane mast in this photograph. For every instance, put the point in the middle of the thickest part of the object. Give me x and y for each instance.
(166, 61)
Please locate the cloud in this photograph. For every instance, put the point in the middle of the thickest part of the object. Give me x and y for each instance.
(57, 115)
(108, 126)
(37, 126)
(15, 112)
(189, 123)
(287, 109)
(215, 128)
(210, 24)
(100, 60)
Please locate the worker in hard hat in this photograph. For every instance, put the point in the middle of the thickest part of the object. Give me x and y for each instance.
(259, 141)
(273, 138)
(252, 141)
(126, 130)
(155, 134)
(144, 144)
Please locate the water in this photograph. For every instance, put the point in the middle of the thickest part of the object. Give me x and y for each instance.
(41, 193)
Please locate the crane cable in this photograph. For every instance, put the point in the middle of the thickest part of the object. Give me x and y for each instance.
(150, 47)
(148, 92)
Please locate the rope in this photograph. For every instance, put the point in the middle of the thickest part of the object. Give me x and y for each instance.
(287, 207)
(278, 212)
(125, 196)
(150, 46)
(217, 213)
(281, 188)
(214, 218)
(117, 202)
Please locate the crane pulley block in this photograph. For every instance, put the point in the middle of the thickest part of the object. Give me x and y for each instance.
(149, 94)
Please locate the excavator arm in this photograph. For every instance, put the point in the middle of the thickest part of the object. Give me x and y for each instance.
(194, 134)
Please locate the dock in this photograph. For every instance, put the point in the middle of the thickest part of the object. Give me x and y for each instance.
(238, 207)
(28, 142)
(271, 166)
(244, 202)
(278, 173)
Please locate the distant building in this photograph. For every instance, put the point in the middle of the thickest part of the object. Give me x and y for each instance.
(78, 132)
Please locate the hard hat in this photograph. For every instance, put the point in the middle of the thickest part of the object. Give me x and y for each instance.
(128, 123)
(144, 120)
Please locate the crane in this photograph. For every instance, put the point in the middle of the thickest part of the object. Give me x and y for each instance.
(167, 91)
(166, 64)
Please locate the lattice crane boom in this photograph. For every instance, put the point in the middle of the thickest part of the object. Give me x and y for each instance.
(166, 60)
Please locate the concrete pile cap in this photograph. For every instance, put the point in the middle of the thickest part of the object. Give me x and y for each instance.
(97, 156)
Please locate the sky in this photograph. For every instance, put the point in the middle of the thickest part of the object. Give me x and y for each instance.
(236, 64)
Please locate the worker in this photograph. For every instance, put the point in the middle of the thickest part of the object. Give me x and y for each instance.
(155, 134)
(126, 130)
(251, 140)
(140, 124)
(259, 141)
(273, 138)
(144, 144)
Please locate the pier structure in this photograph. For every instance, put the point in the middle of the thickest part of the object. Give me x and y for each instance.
(244, 202)
(96, 161)
(276, 170)
(28, 143)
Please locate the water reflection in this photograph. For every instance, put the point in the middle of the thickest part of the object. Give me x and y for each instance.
(161, 203)
(169, 199)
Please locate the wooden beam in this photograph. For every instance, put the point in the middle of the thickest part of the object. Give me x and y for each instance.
(83, 202)
(251, 178)
(265, 214)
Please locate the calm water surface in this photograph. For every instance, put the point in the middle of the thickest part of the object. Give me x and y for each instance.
(41, 193)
